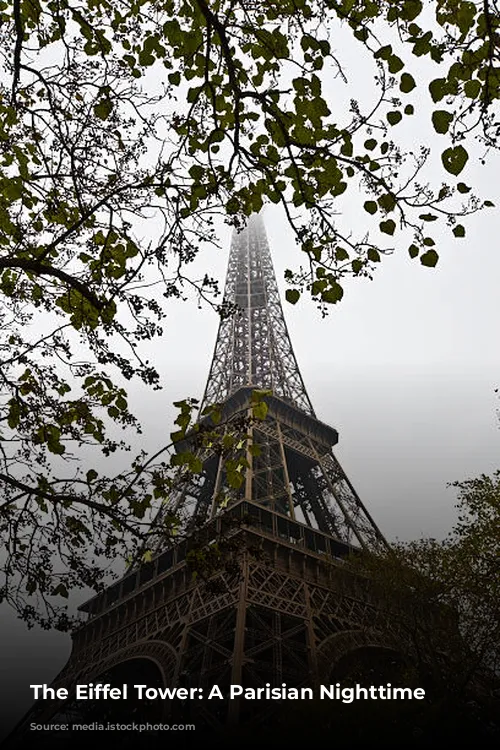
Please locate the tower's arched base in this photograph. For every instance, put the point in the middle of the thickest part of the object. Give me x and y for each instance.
(285, 614)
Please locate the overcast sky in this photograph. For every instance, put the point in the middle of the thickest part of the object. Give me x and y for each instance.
(404, 368)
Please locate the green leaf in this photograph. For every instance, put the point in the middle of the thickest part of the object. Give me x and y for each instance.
(346, 148)
(233, 206)
(388, 226)
(428, 217)
(60, 590)
(413, 251)
(103, 109)
(387, 202)
(410, 9)
(394, 117)
(370, 144)
(395, 64)
(430, 258)
(373, 255)
(409, 109)
(407, 83)
(441, 119)
(384, 53)
(370, 206)
(472, 88)
(259, 410)
(14, 414)
(259, 394)
(438, 89)
(12, 189)
(292, 296)
(459, 231)
(454, 159)
(178, 435)
(318, 286)
(463, 188)
(333, 294)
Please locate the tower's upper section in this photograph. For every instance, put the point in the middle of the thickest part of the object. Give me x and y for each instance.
(253, 346)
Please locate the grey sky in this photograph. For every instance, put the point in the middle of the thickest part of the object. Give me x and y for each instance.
(405, 368)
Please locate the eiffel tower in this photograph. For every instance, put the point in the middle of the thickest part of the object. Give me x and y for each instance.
(289, 611)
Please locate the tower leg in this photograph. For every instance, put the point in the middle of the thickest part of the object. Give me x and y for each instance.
(239, 645)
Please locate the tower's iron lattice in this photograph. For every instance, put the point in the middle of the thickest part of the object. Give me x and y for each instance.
(295, 473)
(289, 611)
(253, 347)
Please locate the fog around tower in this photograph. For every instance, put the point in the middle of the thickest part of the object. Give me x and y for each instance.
(405, 368)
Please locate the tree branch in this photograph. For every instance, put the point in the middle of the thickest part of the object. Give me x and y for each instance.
(43, 269)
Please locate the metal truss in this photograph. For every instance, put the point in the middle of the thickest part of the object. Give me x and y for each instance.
(253, 346)
(296, 472)
(290, 612)
(288, 615)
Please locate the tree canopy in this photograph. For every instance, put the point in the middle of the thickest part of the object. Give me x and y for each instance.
(458, 580)
(125, 127)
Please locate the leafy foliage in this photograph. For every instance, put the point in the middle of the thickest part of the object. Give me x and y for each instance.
(446, 600)
(124, 128)
(240, 113)
(65, 534)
